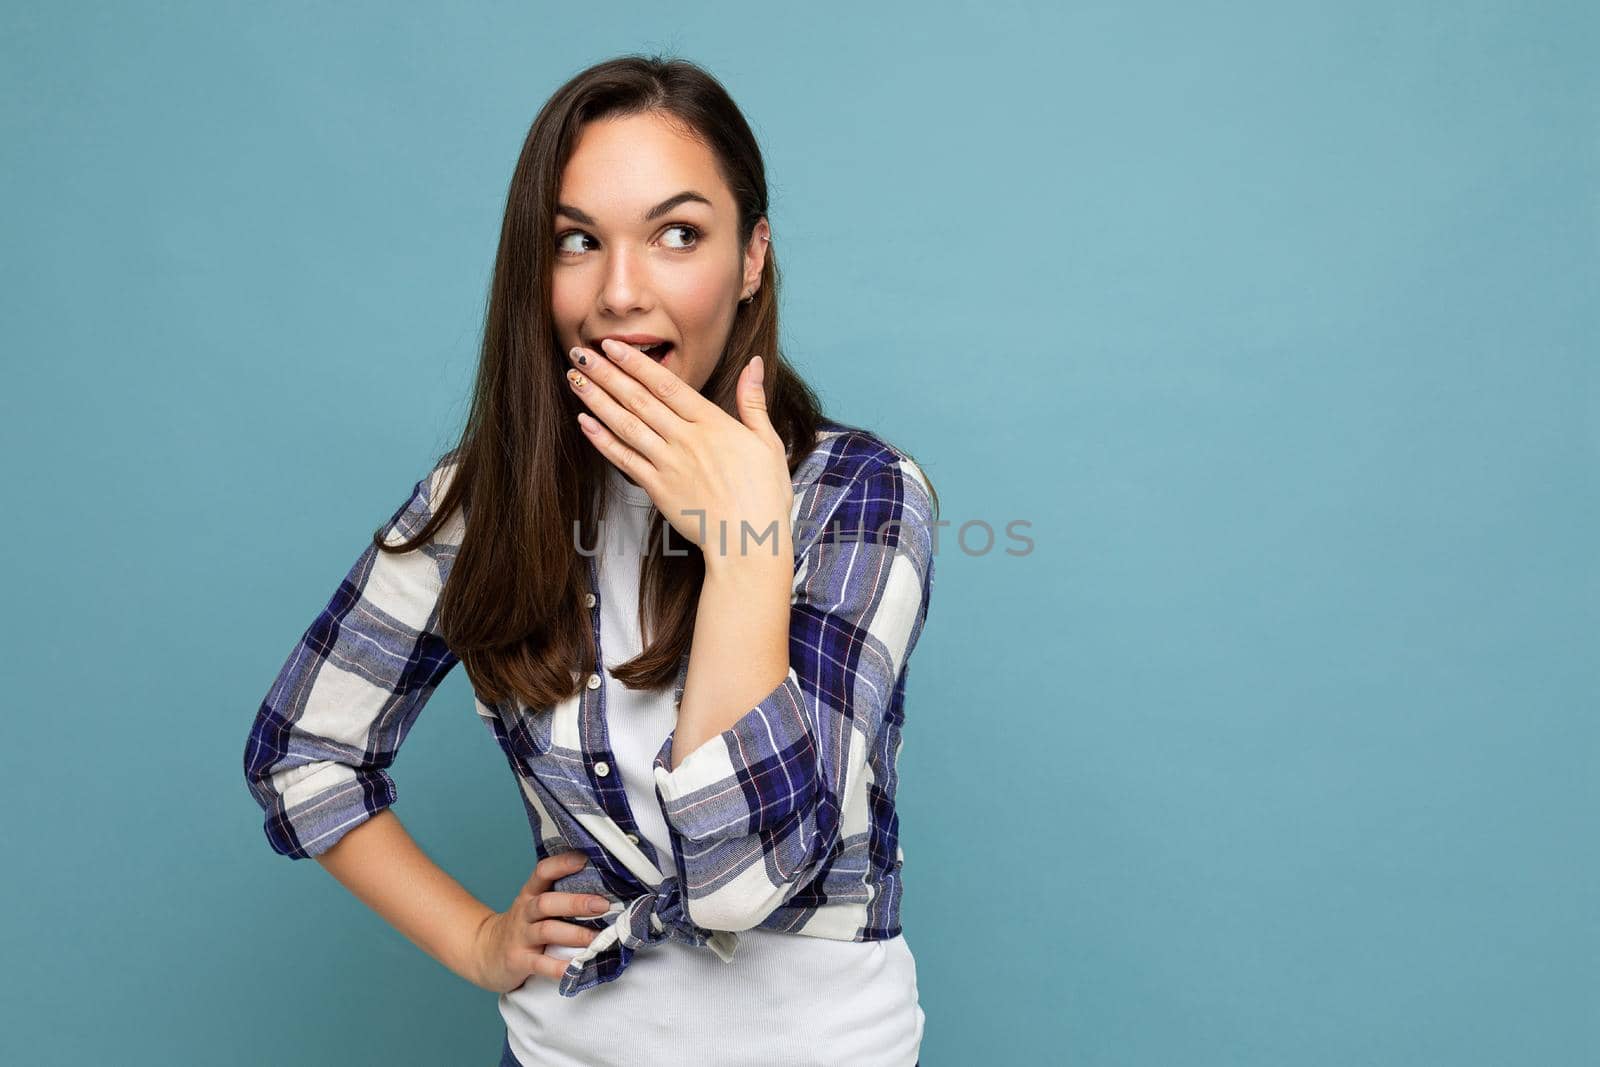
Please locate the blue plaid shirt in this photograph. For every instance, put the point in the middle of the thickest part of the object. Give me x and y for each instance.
(785, 821)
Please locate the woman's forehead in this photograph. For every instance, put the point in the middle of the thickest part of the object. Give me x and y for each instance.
(630, 165)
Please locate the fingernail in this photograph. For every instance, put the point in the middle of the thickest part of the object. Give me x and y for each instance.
(577, 354)
(599, 905)
(576, 379)
(615, 349)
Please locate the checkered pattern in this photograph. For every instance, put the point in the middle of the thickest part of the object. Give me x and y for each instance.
(333, 720)
(785, 821)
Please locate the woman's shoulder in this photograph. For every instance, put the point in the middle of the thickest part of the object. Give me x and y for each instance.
(444, 470)
(428, 496)
(845, 454)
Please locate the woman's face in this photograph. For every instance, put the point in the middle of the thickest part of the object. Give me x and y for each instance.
(647, 243)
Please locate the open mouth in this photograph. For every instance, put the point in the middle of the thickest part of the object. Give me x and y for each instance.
(656, 350)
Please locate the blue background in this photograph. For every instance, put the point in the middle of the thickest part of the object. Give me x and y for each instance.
(1277, 321)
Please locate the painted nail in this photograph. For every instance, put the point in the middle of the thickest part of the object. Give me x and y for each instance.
(578, 380)
(578, 356)
(615, 349)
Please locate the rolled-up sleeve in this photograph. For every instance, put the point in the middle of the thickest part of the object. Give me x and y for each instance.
(342, 703)
(756, 810)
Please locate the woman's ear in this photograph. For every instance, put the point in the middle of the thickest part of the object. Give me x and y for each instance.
(755, 256)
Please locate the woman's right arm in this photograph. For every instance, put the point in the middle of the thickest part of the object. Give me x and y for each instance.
(321, 744)
(380, 863)
(384, 867)
(319, 750)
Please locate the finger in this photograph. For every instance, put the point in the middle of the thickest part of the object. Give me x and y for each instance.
(752, 400)
(622, 421)
(629, 393)
(558, 866)
(553, 868)
(547, 966)
(671, 391)
(625, 459)
(556, 932)
(549, 903)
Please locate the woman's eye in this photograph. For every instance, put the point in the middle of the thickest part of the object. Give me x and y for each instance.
(561, 246)
(694, 234)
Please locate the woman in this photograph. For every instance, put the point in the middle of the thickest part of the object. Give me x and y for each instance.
(685, 601)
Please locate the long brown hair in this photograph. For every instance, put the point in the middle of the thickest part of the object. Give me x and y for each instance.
(512, 609)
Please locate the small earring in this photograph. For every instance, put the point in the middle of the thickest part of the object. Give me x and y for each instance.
(747, 298)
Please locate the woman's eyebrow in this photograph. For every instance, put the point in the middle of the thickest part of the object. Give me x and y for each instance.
(656, 212)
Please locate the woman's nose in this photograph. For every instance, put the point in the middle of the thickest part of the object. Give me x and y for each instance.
(626, 281)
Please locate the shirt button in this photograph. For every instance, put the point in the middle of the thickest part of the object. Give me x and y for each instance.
(588, 600)
(602, 768)
(594, 681)
(634, 838)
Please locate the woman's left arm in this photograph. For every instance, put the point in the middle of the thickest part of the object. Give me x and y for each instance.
(757, 809)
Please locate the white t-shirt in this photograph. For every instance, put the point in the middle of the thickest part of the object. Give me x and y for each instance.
(786, 1000)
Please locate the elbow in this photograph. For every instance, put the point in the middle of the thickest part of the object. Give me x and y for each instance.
(309, 809)
(740, 889)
